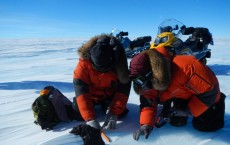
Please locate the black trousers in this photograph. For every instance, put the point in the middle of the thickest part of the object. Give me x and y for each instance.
(212, 119)
(179, 121)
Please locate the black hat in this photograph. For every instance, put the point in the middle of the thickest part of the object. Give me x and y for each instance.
(102, 56)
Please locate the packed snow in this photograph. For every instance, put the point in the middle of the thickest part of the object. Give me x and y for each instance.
(28, 65)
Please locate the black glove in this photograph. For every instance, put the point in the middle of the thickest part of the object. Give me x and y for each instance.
(90, 135)
(144, 130)
(110, 121)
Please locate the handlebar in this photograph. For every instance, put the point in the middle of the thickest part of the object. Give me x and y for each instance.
(122, 34)
(168, 28)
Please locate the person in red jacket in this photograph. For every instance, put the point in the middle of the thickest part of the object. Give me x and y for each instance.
(160, 77)
(101, 78)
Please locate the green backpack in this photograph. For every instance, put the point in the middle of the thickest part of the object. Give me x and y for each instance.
(44, 112)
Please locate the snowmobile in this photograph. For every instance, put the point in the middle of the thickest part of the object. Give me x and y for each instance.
(196, 43)
(133, 47)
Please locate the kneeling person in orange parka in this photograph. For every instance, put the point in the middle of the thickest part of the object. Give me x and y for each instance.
(159, 77)
(101, 78)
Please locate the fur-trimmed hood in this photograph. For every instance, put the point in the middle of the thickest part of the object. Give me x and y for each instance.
(152, 60)
(161, 70)
(121, 64)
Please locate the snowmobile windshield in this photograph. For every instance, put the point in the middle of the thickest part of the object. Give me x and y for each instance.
(115, 32)
(171, 25)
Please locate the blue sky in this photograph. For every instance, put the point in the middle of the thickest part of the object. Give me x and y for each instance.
(86, 18)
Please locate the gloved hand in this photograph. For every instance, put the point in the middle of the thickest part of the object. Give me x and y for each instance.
(110, 121)
(94, 123)
(144, 130)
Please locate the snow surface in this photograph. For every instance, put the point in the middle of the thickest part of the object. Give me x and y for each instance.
(28, 65)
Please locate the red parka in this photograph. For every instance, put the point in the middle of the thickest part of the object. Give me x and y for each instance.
(92, 86)
(190, 80)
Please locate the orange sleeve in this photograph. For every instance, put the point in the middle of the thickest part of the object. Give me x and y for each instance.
(83, 97)
(148, 116)
(148, 108)
(81, 71)
(86, 107)
(118, 103)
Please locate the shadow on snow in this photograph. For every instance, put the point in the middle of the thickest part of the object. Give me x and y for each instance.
(38, 85)
(220, 69)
